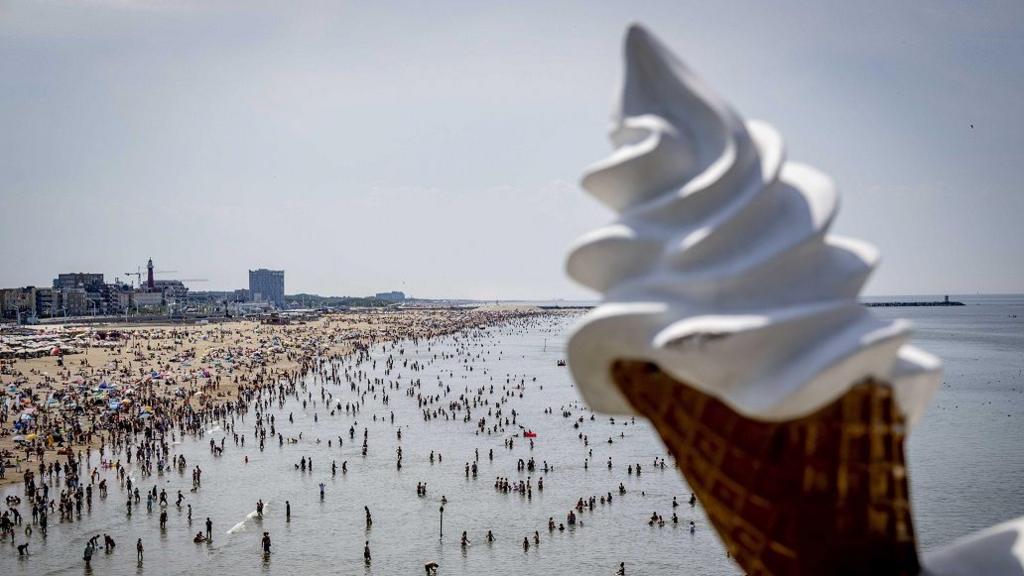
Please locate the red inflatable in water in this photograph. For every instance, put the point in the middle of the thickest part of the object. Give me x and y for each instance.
(529, 434)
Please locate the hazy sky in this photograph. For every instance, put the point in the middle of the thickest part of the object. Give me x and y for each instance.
(435, 147)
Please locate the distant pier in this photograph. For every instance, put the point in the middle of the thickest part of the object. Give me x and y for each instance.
(898, 303)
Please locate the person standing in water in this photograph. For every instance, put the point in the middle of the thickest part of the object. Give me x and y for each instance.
(266, 542)
(366, 552)
(209, 529)
(138, 549)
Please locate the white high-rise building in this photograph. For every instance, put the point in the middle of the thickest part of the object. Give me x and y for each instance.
(267, 286)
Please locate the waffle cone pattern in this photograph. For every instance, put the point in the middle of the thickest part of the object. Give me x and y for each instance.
(823, 494)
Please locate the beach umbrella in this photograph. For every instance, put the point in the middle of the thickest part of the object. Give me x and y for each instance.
(18, 438)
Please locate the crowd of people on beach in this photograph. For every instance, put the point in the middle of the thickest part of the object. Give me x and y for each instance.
(121, 421)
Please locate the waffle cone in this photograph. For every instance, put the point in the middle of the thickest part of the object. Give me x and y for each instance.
(822, 494)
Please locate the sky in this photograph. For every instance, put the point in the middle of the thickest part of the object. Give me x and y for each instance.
(436, 147)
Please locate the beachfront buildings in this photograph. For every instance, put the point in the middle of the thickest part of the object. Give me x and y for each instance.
(29, 301)
(267, 286)
(86, 294)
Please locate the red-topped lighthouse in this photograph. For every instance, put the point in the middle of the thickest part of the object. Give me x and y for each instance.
(149, 275)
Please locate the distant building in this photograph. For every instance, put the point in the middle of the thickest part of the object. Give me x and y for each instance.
(390, 296)
(93, 285)
(48, 302)
(171, 289)
(17, 302)
(142, 300)
(267, 286)
(76, 301)
(92, 282)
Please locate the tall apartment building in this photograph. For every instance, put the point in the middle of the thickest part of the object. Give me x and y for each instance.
(267, 286)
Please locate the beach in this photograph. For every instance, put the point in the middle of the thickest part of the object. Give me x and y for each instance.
(402, 427)
(65, 395)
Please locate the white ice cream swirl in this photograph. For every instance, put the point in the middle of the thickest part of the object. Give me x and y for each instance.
(718, 267)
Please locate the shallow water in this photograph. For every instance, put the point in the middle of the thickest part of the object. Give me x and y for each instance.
(965, 471)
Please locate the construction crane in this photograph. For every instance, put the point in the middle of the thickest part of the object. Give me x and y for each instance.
(137, 274)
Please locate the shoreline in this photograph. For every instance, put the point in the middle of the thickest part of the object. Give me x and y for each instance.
(164, 373)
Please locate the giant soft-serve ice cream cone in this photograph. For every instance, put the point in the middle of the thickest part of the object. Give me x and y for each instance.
(729, 317)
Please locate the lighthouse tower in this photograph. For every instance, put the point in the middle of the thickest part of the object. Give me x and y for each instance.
(150, 284)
